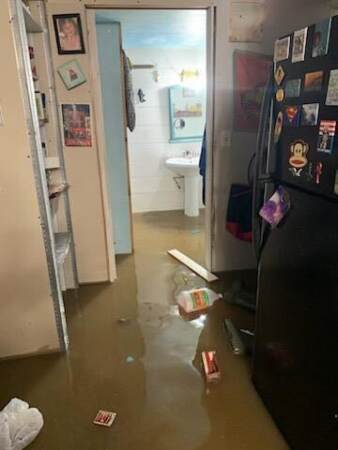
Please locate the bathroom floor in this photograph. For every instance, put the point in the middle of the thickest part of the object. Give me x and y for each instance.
(145, 367)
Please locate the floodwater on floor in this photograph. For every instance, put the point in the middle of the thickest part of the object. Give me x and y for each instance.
(131, 353)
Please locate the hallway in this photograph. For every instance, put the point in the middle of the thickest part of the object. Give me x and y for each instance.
(159, 395)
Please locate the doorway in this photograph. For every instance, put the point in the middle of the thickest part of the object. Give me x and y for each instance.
(152, 168)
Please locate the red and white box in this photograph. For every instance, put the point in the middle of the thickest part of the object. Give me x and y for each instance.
(104, 418)
(210, 366)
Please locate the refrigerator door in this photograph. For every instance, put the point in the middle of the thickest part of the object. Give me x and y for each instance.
(295, 364)
(301, 98)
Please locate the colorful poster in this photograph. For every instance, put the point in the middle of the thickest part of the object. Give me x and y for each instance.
(310, 114)
(292, 88)
(282, 49)
(251, 75)
(313, 81)
(332, 92)
(76, 125)
(291, 116)
(327, 132)
(321, 38)
(299, 45)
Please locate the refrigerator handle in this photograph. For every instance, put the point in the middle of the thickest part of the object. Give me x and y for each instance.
(261, 164)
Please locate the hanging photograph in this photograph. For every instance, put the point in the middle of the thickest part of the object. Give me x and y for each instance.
(321, 38)
(332, 92)
(76, 125)
(251, 75)
(68, 34)
(71, 74)
(310, 114)
(299, 45)
(313, 81)
(282, 48)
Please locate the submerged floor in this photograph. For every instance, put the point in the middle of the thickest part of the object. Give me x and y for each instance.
(146, 368)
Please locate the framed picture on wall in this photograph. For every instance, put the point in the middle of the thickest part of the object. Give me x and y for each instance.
(251, 72)
(71, 74)
(76, 122)
(68, 34)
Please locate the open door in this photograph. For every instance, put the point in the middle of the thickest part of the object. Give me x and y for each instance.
(109, 50)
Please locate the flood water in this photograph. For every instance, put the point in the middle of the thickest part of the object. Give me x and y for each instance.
(132, 353)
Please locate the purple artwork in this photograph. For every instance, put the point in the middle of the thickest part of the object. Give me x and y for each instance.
(276, 207)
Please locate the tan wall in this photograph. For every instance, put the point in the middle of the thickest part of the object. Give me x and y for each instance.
(82, 170)
(231, 158)
(27, 321)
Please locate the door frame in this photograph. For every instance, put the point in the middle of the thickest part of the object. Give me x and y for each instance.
(210, 8)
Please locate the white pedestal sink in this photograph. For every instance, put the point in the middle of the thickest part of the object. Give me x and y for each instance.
(188, 168)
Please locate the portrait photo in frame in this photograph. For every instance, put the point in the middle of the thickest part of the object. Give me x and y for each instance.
(71, 74)
(68, 34)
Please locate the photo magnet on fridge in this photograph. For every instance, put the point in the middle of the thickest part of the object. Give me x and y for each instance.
(332, 91)
(282, 48)
(298, 156)
(279, 75)
(275, 209)
(321, 38)
(313, 81)
(318, 171)
(278, 127)
(336, 183)
(280, 95)
(292, 88)
(327, 132)
(310, 114)
(299, 45)
(292, 115)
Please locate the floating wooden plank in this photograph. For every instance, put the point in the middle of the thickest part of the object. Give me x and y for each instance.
(201, 271)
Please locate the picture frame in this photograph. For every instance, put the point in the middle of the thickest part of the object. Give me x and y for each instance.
(76, 124)
(68, 34)
(251, 72)
(71, 74)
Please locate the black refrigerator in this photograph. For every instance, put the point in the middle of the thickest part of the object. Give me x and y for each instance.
(295, 362)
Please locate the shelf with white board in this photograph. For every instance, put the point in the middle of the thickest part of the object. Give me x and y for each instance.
(32, 26)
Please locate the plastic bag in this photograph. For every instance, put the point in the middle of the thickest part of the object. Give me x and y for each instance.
(197, 299)
(19, 425)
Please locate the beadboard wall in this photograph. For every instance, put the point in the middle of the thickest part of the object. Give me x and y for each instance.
(152, 185)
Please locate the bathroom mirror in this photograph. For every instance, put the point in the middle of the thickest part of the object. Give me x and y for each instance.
(186, 114)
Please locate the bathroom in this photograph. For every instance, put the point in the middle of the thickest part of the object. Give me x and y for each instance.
(166, 53)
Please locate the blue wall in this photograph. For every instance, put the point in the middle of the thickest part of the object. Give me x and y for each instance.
(108, 41)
